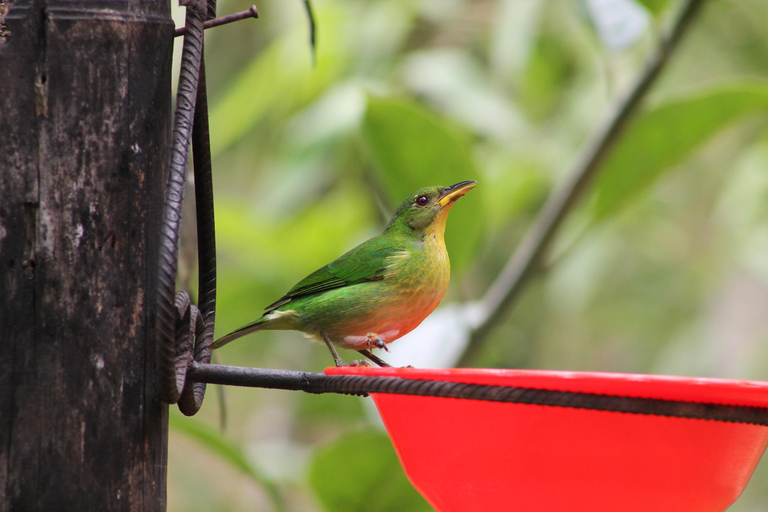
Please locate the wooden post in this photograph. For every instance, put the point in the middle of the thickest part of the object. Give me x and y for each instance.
(85, 105)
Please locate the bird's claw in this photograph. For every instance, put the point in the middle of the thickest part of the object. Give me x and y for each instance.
(359, 363)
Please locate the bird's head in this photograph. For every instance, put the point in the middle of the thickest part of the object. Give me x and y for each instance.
(425, 211)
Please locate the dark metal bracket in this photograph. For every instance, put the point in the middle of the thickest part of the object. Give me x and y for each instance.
(184, 330)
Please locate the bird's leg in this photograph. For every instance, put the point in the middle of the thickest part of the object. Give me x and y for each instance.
(379, 361)
(329, 344)
(375, 341)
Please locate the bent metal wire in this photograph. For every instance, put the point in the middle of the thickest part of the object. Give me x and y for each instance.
(183, 329)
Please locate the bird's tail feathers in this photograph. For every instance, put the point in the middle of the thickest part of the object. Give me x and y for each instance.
(246, 329)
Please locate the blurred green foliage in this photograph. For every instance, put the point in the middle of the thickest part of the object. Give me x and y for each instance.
(665, 135)
(662, 268)
(360, 471)
(411, 145)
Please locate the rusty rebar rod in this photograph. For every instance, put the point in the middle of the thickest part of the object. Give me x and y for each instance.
(363, 385)
(216, 22)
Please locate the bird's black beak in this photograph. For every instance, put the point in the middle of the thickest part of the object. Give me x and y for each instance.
(454, 192)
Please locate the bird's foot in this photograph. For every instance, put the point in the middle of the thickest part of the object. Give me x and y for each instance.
(360, 363)
(375, 341)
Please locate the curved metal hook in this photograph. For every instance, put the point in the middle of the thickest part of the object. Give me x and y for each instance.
(172, 355)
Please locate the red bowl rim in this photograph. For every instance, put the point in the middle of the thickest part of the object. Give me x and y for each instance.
(664, 387)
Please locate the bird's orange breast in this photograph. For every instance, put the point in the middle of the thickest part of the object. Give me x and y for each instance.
(414, 285)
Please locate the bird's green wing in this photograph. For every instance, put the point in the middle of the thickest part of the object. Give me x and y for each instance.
(366, 262)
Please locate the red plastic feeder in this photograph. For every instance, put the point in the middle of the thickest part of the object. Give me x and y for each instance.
(471, 455)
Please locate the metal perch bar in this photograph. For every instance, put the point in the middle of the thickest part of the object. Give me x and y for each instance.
(363, 385)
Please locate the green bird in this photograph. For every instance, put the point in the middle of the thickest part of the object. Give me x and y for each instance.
(377, 292)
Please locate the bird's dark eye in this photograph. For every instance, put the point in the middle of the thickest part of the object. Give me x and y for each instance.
(422, 200)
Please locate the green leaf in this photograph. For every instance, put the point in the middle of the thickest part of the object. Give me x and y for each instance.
(214, 441)
(664, 136)
(360, 472)
(415, 148)
(279, 80)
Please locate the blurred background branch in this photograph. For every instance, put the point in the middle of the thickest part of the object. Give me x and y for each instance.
(527, 259)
